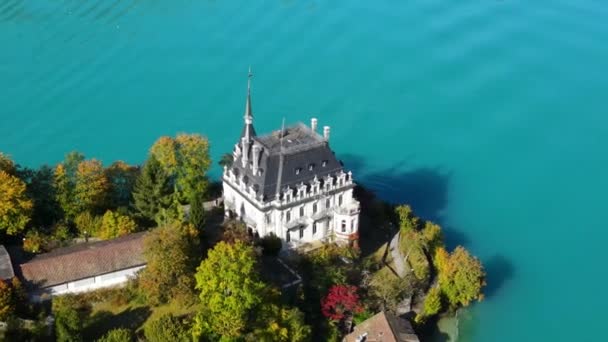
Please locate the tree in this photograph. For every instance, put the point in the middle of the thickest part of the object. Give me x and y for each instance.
(432, 305)
(407, 220)
(7, 165)
(166, 328)
(68, 323)
(91, 189)
(342, 300)
(15, 207)
(170, 252)
(153, 192)
(389, 289)
(230, 289)
(197, 212)
(121, 177)
(7, 301)
(64, 181)
(185, 160)
(41, 190)
(227, 160)
(461, 276)
(432, 236)
(114, 225)
(117, 335)
(88, 224)
(276, 323)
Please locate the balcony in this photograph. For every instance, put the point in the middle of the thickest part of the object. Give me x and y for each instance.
(352, 208)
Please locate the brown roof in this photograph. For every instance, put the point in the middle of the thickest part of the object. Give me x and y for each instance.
(383, 327)
(6, 268)
(85, 260)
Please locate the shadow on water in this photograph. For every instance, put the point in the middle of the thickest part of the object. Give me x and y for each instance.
(498, 271)
(424, 189)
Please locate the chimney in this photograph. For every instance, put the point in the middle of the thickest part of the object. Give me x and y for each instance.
(313, 124)
(256, 158)
(326, 133)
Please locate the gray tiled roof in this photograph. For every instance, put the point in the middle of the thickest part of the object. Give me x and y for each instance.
(302, 148)
(85, 260)
(6, 267)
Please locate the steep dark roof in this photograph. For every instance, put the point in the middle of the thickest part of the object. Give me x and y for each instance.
(383, 327)
(85, 260)
(6, 267)
(302, 149)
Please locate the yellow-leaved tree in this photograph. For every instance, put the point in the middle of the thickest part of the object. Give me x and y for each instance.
(15, 206)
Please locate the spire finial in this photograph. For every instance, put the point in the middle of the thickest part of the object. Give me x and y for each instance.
(249, 76)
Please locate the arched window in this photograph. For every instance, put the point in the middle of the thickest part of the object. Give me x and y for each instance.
(288, 216)
(343, 226)
(301, 232)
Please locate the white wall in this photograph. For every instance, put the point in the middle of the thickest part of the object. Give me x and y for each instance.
(94, 283)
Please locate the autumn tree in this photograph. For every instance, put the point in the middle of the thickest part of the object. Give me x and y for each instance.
(341, 301)
(153, 191)
(230, 289)
(114, 224)
(121, 177)
(171, 255)
(15, 207)
(7, 301)
(91, 189)
(7, 165)
(461, 276)
(186, 160)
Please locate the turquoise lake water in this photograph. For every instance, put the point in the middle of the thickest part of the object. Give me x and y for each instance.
(488, 116)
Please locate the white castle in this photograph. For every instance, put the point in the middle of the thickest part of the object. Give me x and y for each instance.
(290, 183)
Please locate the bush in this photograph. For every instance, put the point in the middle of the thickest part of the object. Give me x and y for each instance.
(166, 328)
(68, 321)
(117, 335)
(271, 244)
(33, 241)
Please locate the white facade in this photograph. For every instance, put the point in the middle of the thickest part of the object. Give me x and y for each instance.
(320, 213)
(93, 283)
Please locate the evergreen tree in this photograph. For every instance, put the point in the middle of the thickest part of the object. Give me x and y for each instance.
(197, 212)
(153, 192)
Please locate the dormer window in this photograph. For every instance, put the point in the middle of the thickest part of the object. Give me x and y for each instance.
(298, 170)
(311, 167)
(324, 163)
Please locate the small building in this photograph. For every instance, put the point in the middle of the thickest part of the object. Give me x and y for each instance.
(384, 327)
(6, 266)
(289, 183)
(85, 267)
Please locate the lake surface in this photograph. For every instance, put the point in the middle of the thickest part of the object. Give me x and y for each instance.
(488, 116)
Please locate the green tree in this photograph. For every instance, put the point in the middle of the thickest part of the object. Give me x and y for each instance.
(153, 191)
(171, 255)
(461, 276)
(41, 190)
(197, 212)
(88, 224)
(121, 177)
(117, 335)
(230, 289)
(114, 224)
(68, 323)
(407, 220)
(432, 305)
(64, 182)
(186, 160)
(15, 207)
(276, 323)
(166, 328)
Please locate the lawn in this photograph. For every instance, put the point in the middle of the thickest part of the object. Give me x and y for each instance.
(106, 315)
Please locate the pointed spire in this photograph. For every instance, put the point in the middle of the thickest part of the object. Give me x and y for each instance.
(248, 130)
